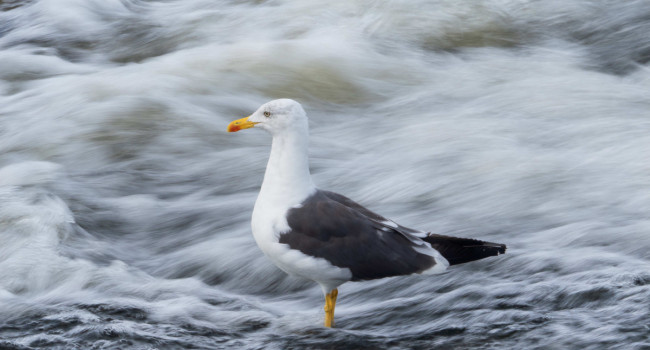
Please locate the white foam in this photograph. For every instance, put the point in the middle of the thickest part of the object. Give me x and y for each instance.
(28, 173)
(116, 111)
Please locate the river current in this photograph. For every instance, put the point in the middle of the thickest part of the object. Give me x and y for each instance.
(125, 205)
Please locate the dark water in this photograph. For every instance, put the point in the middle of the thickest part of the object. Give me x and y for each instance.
(125, 206)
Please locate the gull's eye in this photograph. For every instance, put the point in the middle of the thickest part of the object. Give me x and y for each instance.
(267, 114)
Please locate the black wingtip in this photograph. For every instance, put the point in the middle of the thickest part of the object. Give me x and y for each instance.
(461, 250)
(500, 248)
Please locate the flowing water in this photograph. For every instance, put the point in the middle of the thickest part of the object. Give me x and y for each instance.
(125, 205)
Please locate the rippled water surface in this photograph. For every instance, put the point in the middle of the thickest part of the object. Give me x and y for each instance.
(125, 205)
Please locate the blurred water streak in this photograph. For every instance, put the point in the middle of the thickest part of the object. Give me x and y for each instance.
(125, 206)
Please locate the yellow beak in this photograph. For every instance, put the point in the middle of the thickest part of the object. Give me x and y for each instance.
(240, 124)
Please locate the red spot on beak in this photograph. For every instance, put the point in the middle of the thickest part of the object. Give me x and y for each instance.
(240, 124)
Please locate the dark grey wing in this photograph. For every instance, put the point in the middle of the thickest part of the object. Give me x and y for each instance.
(455, 249)
(332, 227)
(379, 221)
(352, 204)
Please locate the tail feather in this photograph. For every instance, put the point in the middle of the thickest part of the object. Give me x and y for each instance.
(461, 250)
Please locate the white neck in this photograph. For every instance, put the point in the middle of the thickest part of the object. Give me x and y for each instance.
(287, 180)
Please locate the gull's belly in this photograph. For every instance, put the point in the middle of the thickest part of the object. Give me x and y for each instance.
(267, 235)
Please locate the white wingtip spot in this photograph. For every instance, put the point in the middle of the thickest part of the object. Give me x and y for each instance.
(389, 223)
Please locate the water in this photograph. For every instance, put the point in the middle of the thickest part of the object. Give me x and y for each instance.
(125, 206)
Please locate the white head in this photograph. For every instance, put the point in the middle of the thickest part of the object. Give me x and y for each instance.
(277, 116)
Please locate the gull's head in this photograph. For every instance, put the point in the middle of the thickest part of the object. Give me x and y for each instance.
(275, 117)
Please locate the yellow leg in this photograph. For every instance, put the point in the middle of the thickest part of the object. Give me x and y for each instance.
(330, 303)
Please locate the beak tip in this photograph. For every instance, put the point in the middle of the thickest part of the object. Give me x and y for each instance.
(234, 126)
(240, 124)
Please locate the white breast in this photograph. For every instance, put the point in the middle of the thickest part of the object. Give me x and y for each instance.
(268, 222)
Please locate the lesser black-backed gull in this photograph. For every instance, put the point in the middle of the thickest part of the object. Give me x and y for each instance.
(326, 237)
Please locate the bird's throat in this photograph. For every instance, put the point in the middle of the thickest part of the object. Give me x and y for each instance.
(287, 172)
